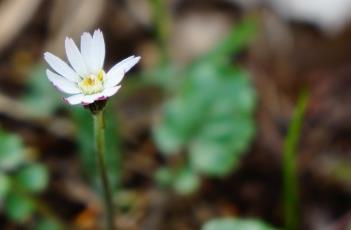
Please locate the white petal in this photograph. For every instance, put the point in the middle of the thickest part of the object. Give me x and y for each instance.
(75, 57)
(85, 44)
(128, 63)
(113, 77)
(100, 96)
(99, 46)
(116, 73)
(88, 99)
(75, 99)
(108, 92)
(89, 47)
(61, 67)
(62, 84)
(86, 48)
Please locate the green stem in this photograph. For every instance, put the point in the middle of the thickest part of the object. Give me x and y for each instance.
(290, 183)
(99, 129)
(161, 21)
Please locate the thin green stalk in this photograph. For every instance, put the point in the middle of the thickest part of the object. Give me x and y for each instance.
(161, 21)
(99, 129)
(290, 183)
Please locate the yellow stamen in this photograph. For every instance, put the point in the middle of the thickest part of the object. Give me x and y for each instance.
(92, 84)
(101, 75)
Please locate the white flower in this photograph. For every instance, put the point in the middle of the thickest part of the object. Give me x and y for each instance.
(85, 79)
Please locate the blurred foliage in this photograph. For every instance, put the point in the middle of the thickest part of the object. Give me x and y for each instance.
(212, 117)
(161, 20)
(42, 98)
(85, 136)
(20, 179)
(47, 224)
(33, 178)
(184, 180)
(236, 224)
(12, 152)
(291, 198)
(210, 113)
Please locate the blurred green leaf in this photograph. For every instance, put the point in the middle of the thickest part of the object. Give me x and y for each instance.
(239, 38)
(42, 97)
(290, 172)
(33, 177)
(11, 151)
(85, 135)
(18, 208)
(164, 176)
(211, 112)
(236, 224)
(5, 185)
(47, 224)
(186, 182)
(211, 116)
(165, 76)
(183, 180)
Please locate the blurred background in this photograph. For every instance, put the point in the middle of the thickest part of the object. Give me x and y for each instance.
(203, 128)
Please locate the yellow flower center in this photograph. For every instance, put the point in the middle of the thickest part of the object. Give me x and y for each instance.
(92, 84)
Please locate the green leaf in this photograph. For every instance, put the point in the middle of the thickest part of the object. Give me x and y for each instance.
(11, 151)
(33, 177)
(5, 185)
(186, 182)
(211, 117)
(236, 224)
(290, 171)
(18, 208)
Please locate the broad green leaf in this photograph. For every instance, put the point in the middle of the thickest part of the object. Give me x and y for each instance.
(11, 151)
(211, 117)
(236, 224)
(18, 208)
(33, 177)
(5, 185)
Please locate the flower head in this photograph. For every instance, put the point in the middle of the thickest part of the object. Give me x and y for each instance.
(85, 79)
